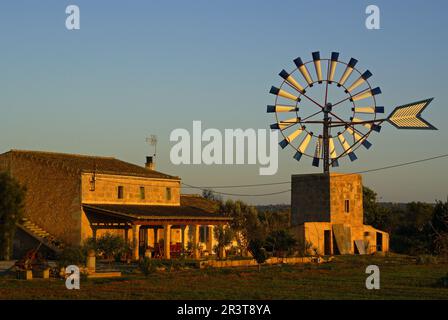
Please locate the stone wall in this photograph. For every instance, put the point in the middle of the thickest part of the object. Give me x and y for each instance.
(310, 198)
(53, 199)
(106, 190)
(346, 187)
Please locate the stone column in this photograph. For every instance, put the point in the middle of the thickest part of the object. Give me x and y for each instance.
(135, 240)
(167, 241)
(182, 235)
(195, 241)
(210, 239)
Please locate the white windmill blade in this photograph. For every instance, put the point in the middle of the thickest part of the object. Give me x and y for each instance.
(408, 116)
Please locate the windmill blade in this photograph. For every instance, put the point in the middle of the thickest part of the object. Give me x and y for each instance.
(317, 152)
(317, 66)
(346, 147)
(348, 71)
(282, 93)
(281, 108)
(302, 148)
(359, 139)
(366, 94)
(333, 64)
(282, 125)
(291, 81)
(304, 71)
(368, 109)
(408, 116)
(366, 75)
(333, 154)
(291, 137)
(368, 125)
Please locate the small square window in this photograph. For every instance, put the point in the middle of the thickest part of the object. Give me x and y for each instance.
(120, 192)
(347, 206)
(168, 194)
(142, 193)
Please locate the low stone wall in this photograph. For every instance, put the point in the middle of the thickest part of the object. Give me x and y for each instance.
(253, 262)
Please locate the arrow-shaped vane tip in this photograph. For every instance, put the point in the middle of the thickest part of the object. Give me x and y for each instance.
(408, 116)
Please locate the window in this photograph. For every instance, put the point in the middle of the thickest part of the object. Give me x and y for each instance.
(168, 194)
(347, 206)
(120, 192)
(142, 193)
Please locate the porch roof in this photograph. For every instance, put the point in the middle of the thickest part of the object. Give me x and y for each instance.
(146, 214)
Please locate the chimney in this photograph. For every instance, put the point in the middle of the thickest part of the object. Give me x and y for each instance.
(150, 164)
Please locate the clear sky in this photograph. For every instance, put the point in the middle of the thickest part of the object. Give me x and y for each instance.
(141, 67)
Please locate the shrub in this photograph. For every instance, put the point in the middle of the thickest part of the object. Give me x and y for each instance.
(443, 282)
(108, 246)
(280, 242)
(147, 266)
(304, 248)
(71, 256)
(426, 259)
(258, 252)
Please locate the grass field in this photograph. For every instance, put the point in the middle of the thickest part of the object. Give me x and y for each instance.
(344, 278)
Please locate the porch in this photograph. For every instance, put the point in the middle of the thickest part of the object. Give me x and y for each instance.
(158, 231)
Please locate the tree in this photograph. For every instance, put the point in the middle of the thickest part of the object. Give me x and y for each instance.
(245, 221)
(258, 251)
(211, 195)
(412, 234)
(12, 196)
(224, 237)
(439, 224)
(280, 241)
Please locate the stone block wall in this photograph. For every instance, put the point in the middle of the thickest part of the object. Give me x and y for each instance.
(310, 198)
(346, 187)
(53, 199)
(106, 190)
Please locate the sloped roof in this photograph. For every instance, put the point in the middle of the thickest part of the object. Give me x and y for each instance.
(85, 163)
(194, 200)
(142, 212)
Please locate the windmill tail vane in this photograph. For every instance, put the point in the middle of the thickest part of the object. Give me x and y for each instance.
(354, 116)
(408, 116)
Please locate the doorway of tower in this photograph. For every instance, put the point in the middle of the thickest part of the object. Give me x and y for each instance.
(327, 242)
(379, 241)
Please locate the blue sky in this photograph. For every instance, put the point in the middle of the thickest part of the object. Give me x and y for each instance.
(141, 67)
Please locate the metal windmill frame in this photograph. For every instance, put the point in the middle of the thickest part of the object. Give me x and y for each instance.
(407, 116)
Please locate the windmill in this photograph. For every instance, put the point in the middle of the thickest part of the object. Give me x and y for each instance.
(347, 111)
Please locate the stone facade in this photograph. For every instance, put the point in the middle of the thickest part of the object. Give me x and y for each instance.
(327, 212)
(53, 196)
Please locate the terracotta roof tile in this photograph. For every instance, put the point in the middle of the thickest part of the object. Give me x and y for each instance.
(85, 163)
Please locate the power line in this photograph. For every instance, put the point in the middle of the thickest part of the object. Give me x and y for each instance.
(285, 182)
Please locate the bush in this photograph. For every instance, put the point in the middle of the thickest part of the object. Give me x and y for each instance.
(443, 282)
(147, 266)
(280, 242)
(71, 256)
(258, 252)
(426, 259)
(108, 246)
(304, 248)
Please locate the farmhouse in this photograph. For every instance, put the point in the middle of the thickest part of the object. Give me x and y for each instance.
(73, 197)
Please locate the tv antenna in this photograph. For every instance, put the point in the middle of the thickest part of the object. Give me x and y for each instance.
(152, 141)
